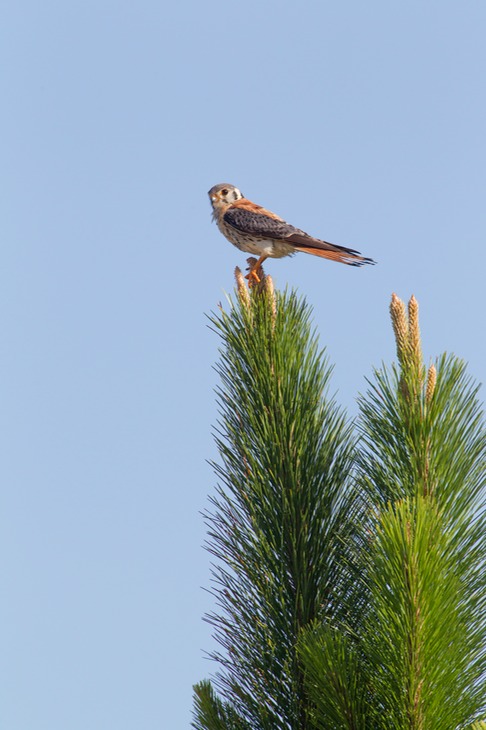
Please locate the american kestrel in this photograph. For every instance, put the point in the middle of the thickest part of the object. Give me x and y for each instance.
(258, 231)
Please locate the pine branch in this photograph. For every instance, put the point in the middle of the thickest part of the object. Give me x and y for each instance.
(424, 466)
(342, 602)
(283, 523)
(211, 713)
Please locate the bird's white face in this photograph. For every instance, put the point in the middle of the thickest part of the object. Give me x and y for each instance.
(222, 195)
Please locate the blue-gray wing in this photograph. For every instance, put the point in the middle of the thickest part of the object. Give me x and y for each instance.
(258, 224)
(263, 226)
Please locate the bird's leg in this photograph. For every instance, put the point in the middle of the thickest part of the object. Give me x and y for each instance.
(252, 275)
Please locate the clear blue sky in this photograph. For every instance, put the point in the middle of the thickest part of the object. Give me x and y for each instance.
(363, 123)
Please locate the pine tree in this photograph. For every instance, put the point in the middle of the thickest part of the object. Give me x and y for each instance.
(418, 660)
(348, 574)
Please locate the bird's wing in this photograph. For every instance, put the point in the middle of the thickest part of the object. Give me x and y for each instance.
(267, 225)
(260, 225)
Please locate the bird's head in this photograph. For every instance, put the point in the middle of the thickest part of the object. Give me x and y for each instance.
(223, 195)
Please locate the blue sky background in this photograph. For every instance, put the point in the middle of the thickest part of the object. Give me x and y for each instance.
(363, 123)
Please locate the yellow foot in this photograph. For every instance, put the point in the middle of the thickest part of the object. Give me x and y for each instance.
(255, 274)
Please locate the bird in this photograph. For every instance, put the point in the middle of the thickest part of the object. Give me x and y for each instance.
(256, 230)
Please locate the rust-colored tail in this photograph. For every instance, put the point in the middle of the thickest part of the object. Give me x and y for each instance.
(329, 251)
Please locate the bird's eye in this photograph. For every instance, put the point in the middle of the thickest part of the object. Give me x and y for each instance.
(225, 191)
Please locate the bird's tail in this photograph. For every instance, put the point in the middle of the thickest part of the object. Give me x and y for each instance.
(329, 251)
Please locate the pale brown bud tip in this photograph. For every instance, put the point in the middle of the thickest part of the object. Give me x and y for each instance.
(269, 287)
(414, 343)
(431, 381)
(239, 277)
(400, 326)
(241, 288)
(270, 290)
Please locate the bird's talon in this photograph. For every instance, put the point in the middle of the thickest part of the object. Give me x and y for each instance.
(253, 276)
